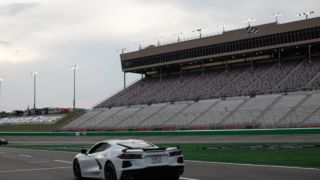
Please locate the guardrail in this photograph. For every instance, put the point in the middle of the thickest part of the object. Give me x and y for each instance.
(172, 133)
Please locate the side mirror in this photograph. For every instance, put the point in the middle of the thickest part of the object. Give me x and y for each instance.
(83, 151)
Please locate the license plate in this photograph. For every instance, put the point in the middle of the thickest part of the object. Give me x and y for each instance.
(155, 159)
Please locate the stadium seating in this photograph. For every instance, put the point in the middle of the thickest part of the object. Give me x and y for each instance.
(302, 75)
(273, 116)
(262, 111)
(163, 115)
(215, 99)
(82, 119)
(105, 114)
(262, 78)
(191, 113)
(144, 114)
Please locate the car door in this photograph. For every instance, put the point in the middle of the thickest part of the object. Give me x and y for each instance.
(92, 168)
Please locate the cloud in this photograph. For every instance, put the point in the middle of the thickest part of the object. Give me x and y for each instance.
(50, 35)
(5, 43)
(12, 55)
(13, 9)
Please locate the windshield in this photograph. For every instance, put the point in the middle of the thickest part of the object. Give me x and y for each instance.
(136, 144)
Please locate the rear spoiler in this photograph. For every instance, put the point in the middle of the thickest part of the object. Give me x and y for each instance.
(150, 149)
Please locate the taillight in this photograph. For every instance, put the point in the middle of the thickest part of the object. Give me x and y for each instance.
(176, 153)
(130, 156)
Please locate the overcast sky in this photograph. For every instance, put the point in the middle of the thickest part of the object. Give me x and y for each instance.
(48, 36)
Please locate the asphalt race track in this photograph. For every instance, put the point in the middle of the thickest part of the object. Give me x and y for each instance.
(24, 164)
(169, 139)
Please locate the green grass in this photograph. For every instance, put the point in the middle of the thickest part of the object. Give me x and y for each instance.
(298, 155)
(304, 157)
(41, 127)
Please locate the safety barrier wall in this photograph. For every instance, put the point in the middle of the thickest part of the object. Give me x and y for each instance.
(172, 133)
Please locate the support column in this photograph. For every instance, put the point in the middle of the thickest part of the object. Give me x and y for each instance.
(124, 80)
(251, 63)
(309, 53)
(227, 67)
(202, 68)
(160, 74)
(279, 57)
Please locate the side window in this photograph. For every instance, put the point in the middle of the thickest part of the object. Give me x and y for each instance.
(99, 147)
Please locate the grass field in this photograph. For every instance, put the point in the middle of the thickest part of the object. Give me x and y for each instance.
(299, 155)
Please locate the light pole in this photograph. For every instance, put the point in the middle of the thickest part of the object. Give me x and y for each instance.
(276, 15)
(121, 50)
(199, 31)
(178, 35)
(248, 21)
(139, 43)
(74, 68)
(158, 39)
(306, 14)
(34, 74)
(223, 27)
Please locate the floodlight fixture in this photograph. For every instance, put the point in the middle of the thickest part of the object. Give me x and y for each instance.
(121, 50)
(223, 27)
(199, 31)
(139, 43)
(249, 21)
(178, 35)
(276, 15)
(74, 67)
(158, 39)
(306, 14)
(34, 73)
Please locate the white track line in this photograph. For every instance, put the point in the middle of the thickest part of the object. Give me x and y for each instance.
(254, 165)
(39, 169)
(61, 161)
(24, 155)
(3, 152)
(185, 178)
(38, 162)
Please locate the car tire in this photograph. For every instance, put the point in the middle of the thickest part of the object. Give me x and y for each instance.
(176, 177)
(109, 172)
(76, 170)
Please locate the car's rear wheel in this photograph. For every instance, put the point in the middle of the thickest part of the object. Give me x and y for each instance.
(76, 170)
(109, 172)
(175, 177)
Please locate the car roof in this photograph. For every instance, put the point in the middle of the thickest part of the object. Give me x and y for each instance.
(115, 141)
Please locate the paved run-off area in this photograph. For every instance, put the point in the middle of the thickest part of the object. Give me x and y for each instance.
(25, 164)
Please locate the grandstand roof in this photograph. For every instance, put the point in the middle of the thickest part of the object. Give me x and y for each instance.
(233, 35)
(224, 47)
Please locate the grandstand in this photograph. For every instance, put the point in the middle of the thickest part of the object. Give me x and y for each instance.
(269, 79)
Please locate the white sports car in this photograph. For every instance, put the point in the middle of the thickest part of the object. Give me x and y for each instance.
(128, 160)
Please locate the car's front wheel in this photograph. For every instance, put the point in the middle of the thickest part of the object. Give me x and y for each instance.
(109, 172)
(76, 170)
